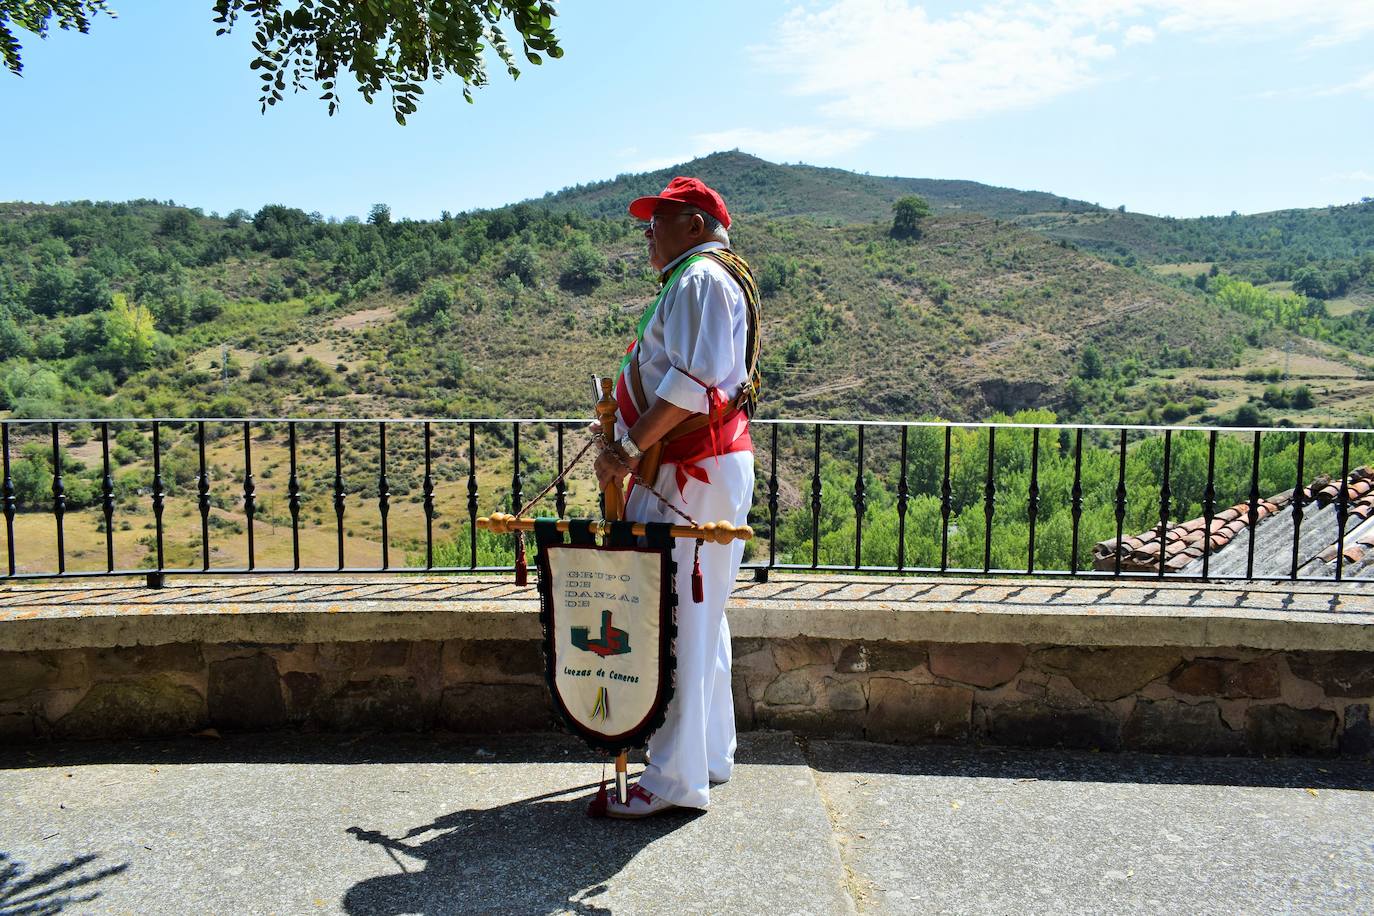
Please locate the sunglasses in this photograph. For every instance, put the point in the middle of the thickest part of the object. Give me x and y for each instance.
(656, 220)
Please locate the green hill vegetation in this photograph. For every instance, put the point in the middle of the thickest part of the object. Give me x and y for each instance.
(983, 308)
(128, 309)
(828, 196)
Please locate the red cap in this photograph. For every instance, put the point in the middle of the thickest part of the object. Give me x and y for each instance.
(681, 190)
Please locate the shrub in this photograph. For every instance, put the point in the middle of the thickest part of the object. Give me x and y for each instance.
(907, 214)
(584, 267)
(523, 262)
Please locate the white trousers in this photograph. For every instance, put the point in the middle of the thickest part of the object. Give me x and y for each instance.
(696, 745)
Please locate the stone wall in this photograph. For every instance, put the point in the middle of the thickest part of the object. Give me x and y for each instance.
(1204, 701)
(459, 685)
(1208, 702)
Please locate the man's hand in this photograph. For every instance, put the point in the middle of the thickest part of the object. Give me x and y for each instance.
(612, 466)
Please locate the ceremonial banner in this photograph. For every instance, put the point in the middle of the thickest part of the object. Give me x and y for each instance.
(608, 616)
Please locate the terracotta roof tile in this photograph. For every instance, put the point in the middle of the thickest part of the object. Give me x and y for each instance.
(1185, 540)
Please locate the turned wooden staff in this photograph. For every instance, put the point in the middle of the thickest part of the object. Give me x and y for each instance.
(710, 533)
(721, 532)
(614, 512)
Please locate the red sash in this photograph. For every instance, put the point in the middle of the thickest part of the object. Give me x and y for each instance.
(727, 432)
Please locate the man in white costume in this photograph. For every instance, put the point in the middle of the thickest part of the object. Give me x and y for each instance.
(686, 391)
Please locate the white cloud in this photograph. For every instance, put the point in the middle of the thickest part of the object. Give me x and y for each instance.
(887, 63)
(1359, 175)
(893, 64)
(1139, 35)
(1363, 84)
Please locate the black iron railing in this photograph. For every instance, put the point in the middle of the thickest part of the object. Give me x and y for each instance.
(862, 496)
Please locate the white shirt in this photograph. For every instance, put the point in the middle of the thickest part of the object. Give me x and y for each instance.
(701, 329)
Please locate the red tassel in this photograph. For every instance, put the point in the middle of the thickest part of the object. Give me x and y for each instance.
(598, 806)
(698, 586)
(522, 573)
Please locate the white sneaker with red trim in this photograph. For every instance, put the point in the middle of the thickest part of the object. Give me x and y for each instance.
(641, 803)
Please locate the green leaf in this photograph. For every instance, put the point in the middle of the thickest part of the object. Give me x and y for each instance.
(533, 58)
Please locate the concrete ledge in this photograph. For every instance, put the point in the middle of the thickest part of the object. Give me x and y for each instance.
(272, 610)
(1212, 670)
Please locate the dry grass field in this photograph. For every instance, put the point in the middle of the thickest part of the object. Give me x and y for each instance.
(35, 531)
(1350, 304)
(1187, 269)
(1342, 388)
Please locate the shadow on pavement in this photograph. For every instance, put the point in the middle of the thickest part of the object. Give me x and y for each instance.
(298, 747)
(48, 892)
(539, 854)
(1026, 764)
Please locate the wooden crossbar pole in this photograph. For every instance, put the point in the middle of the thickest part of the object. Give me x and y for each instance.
(711, 532)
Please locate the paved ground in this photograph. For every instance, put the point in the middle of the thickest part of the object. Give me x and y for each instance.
(293, 823)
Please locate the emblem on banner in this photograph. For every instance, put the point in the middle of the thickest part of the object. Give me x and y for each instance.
(611, 641)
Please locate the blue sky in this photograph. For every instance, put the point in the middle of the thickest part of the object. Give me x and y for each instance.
(1178, 107)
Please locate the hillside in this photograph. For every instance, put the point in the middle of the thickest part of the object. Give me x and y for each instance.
(507, 313)
(1262, 246)
(1339, 232)
(765, 189)
(1009, 300)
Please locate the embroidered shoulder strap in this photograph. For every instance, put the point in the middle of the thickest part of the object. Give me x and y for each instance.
(738, 269)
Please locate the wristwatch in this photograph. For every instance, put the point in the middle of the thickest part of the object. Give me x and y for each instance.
(627, 445)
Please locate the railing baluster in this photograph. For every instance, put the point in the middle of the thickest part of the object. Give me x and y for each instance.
(383, 494)
(945, 505)
(761, 575)
(250, 503)
(560, 490)
(1342, 506)
(1033, 498)
(1164, 497)
(816, 498)
(1120, 501)
(1209, 502)
(7, 495)
(472, 490)
(859, 503)
(1299, 492)
(989, 498)
(339, 502)
(293, 499)
(159, 503)
(902, 497)
(203, 497)
(1076, 499)
(427, 489)
(107, 500)
(516, 479)
(59, 500)
(1252, 516)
